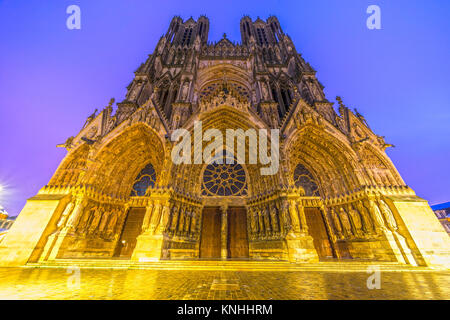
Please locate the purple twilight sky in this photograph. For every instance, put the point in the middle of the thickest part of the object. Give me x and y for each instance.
(52, 78)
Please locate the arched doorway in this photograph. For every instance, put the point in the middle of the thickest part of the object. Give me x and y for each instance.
(132, 227)
(224, 217)
(313, 215)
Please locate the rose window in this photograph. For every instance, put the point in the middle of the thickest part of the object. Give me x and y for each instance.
(224, 180)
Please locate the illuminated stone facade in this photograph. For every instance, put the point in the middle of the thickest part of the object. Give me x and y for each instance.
(117, 193)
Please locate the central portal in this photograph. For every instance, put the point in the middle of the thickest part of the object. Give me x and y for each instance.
(212, 232)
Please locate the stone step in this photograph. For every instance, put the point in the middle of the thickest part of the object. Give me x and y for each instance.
(339, 266)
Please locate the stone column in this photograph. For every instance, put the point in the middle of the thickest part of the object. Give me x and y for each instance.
(299, 243)
(165, 215)
(155, 218)
(150, 243)
(224, 232)
(296, 227)
(193, 223)
(147, 217)
(196, 225)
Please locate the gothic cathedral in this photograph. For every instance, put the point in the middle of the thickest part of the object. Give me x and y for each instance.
(118, 194)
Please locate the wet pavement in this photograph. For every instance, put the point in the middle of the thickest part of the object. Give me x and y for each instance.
(75, 283)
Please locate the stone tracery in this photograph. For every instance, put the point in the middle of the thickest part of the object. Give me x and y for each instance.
(145, 179)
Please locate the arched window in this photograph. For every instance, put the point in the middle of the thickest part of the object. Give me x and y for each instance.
(187, 36)
(276, 98)
(163, 97)
(262, 38)
(145, 179)
(303, 178)
(224, 179)
(274, 31)
(286, 96)
(248, 28)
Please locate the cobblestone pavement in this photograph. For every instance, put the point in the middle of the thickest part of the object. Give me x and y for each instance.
(54, 283)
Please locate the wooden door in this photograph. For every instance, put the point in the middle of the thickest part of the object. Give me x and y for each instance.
(131, 230)
(237, 232)
(210, 237)
(318, 230)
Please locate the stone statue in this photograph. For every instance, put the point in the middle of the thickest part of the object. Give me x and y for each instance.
(274, 218)
(315, 90)
(336, 223)
(97, 215)
(104, 220)
(90, 118)
(88, 212)
(376, 214)
(165, 218)
(356, 218)
(112, 224)
(345, 222)
(185, 91)
(265, 92)
(65, 214)
(389, 215)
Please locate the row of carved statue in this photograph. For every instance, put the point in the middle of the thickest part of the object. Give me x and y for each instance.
(225, 51)
(362, 219)
(92, 219)
(268, 220)
(273, 219)
(175, 219)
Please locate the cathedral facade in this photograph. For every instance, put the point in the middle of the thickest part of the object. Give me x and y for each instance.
(118, 194)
